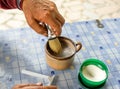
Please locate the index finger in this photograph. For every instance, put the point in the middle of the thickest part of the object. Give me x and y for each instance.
(58, 15)
(40, 87)
(51, 20)
(25, 85)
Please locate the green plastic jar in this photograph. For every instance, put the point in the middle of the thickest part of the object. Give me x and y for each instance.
(89, 83)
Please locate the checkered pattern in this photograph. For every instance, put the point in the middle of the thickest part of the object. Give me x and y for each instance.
(22, 48)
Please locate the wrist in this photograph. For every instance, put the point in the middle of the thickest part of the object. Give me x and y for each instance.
(19, 4)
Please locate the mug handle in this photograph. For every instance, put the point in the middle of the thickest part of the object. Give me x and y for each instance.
(78, 46)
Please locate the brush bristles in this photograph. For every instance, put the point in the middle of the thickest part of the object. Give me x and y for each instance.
(55, 45)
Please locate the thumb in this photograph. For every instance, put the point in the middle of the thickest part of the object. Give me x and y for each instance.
(34, 24)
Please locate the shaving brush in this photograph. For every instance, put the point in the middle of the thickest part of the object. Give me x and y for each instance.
(53, 41)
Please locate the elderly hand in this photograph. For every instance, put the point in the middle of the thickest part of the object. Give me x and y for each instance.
(45, 12)
(33, 86)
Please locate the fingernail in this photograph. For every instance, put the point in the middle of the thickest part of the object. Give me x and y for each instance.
(39, 83)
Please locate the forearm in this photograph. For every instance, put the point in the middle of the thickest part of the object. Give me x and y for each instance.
(11, 4)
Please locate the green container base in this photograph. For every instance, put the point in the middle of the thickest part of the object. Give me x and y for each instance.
(97, 87)
(88, 83)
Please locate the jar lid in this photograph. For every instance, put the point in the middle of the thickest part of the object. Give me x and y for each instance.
(90, 71)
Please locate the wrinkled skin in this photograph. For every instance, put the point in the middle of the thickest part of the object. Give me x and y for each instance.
(33, 86)
(45, 12)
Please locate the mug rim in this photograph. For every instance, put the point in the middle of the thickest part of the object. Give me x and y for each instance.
(61, 58)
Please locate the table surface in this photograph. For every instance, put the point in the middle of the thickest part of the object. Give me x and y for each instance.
(22, 48)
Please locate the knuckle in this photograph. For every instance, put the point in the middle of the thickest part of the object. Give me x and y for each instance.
(53, 4)
(52, 8)
(57, 28)
(46, 14)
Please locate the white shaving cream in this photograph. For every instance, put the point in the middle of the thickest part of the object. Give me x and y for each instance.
(94, 73)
